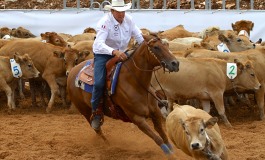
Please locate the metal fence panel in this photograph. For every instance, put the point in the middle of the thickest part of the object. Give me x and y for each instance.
(136, 4)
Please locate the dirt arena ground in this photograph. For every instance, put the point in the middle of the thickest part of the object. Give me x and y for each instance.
(31, 134)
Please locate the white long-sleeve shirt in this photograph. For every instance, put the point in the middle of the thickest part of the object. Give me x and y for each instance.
(111, 35)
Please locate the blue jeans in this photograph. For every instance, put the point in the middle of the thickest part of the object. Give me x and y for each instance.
(100, 61)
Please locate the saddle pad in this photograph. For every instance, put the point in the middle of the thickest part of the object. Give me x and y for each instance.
(115, 77)
(86, 74)
(89, 88)
(78, 83)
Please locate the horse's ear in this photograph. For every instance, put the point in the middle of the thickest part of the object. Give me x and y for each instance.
(145, 37)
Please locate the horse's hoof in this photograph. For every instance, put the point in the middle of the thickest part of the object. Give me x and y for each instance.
(166, 149)
(170, 146)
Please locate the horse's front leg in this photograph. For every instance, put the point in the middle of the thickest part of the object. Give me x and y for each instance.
(144, 127)
(156, 117)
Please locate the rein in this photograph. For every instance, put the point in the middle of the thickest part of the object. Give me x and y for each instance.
(137, 79)
(144, 70)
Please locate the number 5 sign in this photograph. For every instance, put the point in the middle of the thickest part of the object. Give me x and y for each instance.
(15, 67)
(231, 70)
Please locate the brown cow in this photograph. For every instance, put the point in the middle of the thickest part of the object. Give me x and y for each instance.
(230, 39)
(53, 38)
(21, 32)
(175, 32)
(8, 79)
(204, 79)
(4, 31)
(89, 30)
(53, 62)
(47, 37)
(84, 47)
(65, 36)
(3, 42)
(243, 28)
(257, 56)
(196, 133)
(82, 37)
(233, 43)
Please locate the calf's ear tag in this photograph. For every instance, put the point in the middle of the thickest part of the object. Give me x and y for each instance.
(15, 67)
(231, 70)
(222, 47)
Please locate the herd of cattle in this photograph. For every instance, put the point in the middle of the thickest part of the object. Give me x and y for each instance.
(47, 59)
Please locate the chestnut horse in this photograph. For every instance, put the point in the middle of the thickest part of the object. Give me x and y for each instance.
(132, 92)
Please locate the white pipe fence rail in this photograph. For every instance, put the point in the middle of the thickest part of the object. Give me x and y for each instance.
(136, 4)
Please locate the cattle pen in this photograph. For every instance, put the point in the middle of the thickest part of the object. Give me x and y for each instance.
(29, 133)
(42, 20)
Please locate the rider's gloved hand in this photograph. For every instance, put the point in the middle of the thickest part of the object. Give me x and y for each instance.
(119, 54)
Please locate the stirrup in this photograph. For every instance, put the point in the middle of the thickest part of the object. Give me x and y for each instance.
(97, 113)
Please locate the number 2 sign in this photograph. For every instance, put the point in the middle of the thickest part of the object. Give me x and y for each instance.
(231, 70)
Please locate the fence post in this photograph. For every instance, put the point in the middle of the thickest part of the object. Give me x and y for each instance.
(151, 4)
(164, 4)
(223, 7)
(192, 4)
(78, 4)
(178, 4)
(64, 4)
(237, 5)
(138, 4)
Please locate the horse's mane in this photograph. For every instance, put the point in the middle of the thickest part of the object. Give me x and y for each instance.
(130, 52)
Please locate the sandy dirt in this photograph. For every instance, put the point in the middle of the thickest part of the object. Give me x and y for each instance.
(31, 134)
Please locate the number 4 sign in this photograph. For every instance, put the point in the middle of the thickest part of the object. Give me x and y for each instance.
(231, 70)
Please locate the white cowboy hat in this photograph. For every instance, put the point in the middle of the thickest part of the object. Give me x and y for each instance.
(118, 5)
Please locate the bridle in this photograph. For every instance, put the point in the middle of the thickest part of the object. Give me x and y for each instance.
(149, 53)
(144, 70)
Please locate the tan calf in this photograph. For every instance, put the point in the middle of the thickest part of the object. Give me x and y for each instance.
(234, 42)
(4, 31)
(82, 37)
(85, 47)
(175, 32)
(8, 82)
(204, 79)
(243, 27)
(53, 62)
(256, 56)
(21, 32)
(196, 133)
(53, 38)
